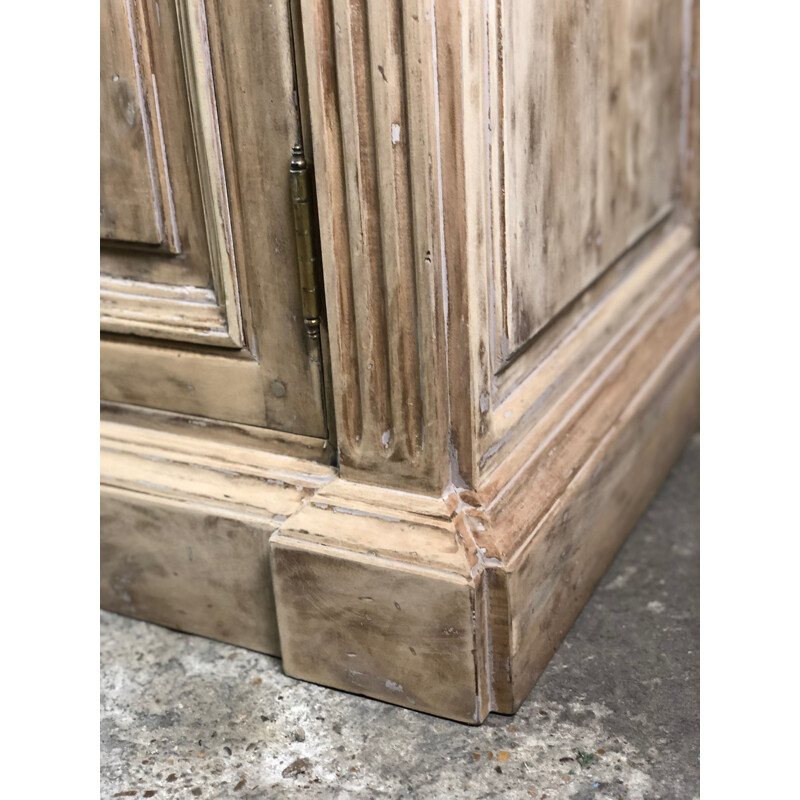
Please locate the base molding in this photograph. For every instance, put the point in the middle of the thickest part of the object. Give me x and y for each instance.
(451, 605)
(185, 527)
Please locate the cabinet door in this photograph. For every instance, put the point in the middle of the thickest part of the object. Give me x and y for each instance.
(200, 299)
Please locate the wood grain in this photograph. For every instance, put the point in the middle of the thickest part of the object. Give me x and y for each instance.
(180, 313)
(376, 578)
(388, 630)
(184, 469)
(690, 138)
(591, 115)
(199, 383)
(311, 448)
(370, 94)
(130, 202)
(558, 161)
(553, 577)
(611, 446)
(449, 605)
(159, 51)
(185, 526)
(227, 294)
(196, 219)
(540, 382)
(577, 424)
(187, 567)
(508, 233)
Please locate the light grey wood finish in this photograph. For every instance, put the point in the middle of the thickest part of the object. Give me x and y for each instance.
(503, 412)
(185, 527)
(454, 605)
(631, 163)
(587, 106)
(372, 101)
(199, 286)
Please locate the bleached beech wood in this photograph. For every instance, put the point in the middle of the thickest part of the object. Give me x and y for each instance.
(201, 311)
(508, 210)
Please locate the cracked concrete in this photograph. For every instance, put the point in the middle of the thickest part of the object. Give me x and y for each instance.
(615, 715)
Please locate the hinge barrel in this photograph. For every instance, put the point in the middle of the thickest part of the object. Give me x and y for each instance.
(304, 240)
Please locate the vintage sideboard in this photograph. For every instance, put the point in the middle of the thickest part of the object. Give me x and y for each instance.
(399, 323)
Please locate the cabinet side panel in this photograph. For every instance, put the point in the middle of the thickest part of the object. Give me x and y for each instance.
(591, 109)
(552, 574)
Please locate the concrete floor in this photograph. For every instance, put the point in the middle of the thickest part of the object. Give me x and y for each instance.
(615, 715)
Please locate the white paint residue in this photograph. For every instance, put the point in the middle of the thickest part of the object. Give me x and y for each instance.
(622, 579)
(395, 687)
(395, 133)
(385, 437)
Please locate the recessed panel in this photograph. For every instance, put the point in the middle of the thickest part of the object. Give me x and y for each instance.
(165, 222)
(589, 107)
(129, 207)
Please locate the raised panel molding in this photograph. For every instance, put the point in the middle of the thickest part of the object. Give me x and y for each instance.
(489, 456)
(136, 203)
(216, 330)
(372, 100)
(201, 84)
(585, 102)
(203, 314)
(163, 311)
(592, 115)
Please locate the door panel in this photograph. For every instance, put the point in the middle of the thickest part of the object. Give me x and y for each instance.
(168, 265)
(589, 102)
(130, 209)
(200, 298)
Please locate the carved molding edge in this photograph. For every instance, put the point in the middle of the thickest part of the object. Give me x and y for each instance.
(371, 97)
(451, 605)
(178, 313)
(455, 605)
(201, 86)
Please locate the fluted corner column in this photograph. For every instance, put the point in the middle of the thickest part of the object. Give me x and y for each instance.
(372, 101)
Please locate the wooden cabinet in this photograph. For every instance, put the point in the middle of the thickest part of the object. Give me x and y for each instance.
(415, 504)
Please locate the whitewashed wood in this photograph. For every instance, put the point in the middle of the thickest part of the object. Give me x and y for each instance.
(131, 207)
(185, 528)
(371, 94)
(499, 428)
(206, 247)
(591, 109)
(592, 115)
(209, 321)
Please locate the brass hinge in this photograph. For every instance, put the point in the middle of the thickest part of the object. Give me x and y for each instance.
(305, 239)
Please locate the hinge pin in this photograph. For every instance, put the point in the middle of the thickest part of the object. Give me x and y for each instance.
(304, 240)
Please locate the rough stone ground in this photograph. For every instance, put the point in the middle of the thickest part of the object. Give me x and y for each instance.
(615, 715)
